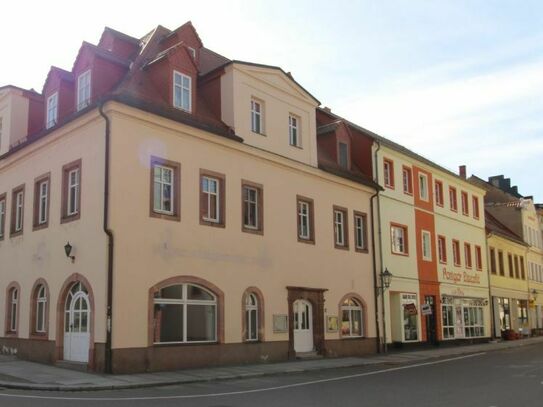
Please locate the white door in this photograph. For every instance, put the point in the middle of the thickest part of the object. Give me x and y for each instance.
(76, 325)
(303, 326)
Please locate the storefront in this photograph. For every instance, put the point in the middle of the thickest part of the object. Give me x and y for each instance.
(404, 308)
(512, 311)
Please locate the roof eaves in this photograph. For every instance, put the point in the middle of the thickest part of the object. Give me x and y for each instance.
(350, 176)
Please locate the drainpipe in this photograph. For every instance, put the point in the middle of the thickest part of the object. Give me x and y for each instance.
(109, 233)
(374, 264)
(492, 310)
(377, 287)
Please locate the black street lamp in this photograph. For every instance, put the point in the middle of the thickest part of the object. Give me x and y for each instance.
(68, 250)
(386, 278)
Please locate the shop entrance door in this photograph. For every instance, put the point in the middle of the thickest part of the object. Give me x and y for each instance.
(303, 326)
(431, 334)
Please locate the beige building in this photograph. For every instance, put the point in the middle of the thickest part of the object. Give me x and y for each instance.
(173, 210)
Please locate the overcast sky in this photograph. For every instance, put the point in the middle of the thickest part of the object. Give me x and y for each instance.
(460, 82)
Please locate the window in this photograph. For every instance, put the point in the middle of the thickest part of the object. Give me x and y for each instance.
(165, 189)
(256, 117)
(293, 130)
(41, 202)
(252, 207)
(442, 249)
(71, 191)
(351, 318)
(452, 199)
(423, 187)
(456, 252)
(475, 204)
(304, 212)
(212, 198)
(17, 210)
(438, 188)
(2, 215)
(83, 90)
(478, 258)
(501, 263)
(182, 91)
(360, 232)
(40, 303)
(473, 321)
(341, 237)
(492, 254)
(251, 317)
(388, 171)
(13, 309)
(517, 273)
(399, 239)
(522, 270)
(467, 255)
(510, 263)
(426, 245)
(447, 311)
(464, 199)
(522, 311)
(52, 110)
(192, 52)
(407, 180)
(184, 313)
(343, 155)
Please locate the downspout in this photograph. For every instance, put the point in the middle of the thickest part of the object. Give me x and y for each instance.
(109, 233)
(374, 263)
(492, 310)
(376, 285)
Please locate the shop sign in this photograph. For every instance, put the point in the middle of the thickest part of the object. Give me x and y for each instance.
(465, 277)
(426, 309)
(411, 309)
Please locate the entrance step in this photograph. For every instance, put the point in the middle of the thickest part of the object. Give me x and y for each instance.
(308, 355)
(66, 364)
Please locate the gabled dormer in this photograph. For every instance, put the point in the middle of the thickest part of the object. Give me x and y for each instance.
(187, 35)
(96, 72)
(58, 93)
(119, 44)
(174, 75)
(335, 139)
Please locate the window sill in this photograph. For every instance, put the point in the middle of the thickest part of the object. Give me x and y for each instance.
(295, 146)
(169, 344)
(15, 234)
(340, 247)
(252, 231)
(40, 227)
(212, 223)
(40, 336)
(307, 241)
(165, 216)
(258, 133)
(12, 334)
(361, 250)
(70, 218)
(401, 254)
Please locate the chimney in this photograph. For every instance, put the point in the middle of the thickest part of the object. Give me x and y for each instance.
(462, 171)
(327, 109)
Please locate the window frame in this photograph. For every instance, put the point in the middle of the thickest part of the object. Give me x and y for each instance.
(468, 258)
(423, 176)
(257, 114)
(35, 302)
(51, 122)
(344, 225)
(294, 129)
(359, 307)
(442, 249)
(182, 76)
(438, 192)
(259, 229)
(12, 310)
(464, 199)
(310, 238)
(3, 215)
(510, 265)
(347, 155)
(405, 230)
(205, 199)
(81, 104)
(457, 260)
(16, 216)
(175, 166)
(388, 173)
(493, 265)
(478, 258)
(364, 219)
(453, 193)
(66, 217)
(37, 220)
(475, 204)
(407, 188)
(426, 238)
(501, 263)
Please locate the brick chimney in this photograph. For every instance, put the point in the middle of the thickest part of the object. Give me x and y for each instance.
(462, 171)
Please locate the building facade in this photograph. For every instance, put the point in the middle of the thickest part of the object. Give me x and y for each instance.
(171, 211)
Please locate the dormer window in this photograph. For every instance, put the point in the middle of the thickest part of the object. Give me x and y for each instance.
(256, 117)
(192, 52)
(52, 110)
(343, 155)
(83, 90)
(182, 91)
(294, 130)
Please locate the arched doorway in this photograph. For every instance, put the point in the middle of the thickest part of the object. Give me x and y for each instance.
(77, 317)
(303, 326)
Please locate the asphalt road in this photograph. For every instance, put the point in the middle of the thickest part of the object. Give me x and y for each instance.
(504, 378)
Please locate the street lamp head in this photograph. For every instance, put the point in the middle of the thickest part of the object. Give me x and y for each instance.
(68, 250)
(387, 277)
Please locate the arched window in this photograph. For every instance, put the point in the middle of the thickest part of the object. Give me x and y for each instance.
(13, 309)
(41, 309)
(251, 317)
(351, 318)
(184, 313)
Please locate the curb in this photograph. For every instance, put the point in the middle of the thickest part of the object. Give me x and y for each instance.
(294, 369)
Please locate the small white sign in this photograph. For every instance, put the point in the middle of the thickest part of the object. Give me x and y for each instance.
(426, 309)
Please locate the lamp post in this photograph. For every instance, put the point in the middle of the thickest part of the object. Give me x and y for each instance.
(385, 277)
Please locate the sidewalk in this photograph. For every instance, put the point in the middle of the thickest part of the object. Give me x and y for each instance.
(19, 374)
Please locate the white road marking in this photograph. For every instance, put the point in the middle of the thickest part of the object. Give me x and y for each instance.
(235, 393)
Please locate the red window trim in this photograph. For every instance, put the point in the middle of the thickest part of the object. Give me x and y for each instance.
(444, 239)
(441, 201)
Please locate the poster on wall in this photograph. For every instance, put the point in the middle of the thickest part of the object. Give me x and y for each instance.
(280, 323)
(332, 324)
